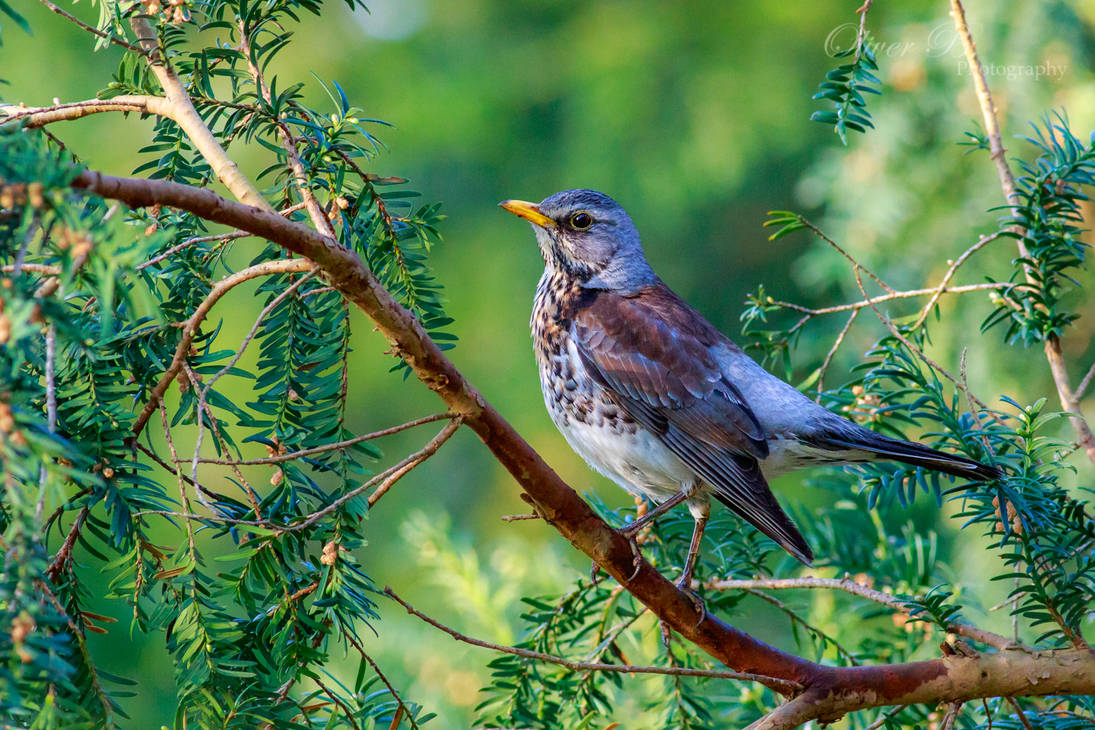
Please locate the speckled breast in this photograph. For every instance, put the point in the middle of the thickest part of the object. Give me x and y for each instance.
(599, 430)
(570, 394)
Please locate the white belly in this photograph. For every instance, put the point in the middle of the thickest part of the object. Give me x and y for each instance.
(638, 461)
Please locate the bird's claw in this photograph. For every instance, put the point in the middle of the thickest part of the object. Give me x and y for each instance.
(595, 572)
(685, 586)
(636, 553)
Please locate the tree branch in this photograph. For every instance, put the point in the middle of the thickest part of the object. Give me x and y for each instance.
(94, 31)
(296, 165)
(589, 666)
(1052, 346)
(839, 689)
(858, 589)
(190, 328)
(385, 479)
(35, 117)
(331, 447)
(186, 116)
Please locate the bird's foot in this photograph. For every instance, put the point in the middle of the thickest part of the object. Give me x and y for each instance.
(632, 529)
(595, 572)
(636, 553)
(685, 586)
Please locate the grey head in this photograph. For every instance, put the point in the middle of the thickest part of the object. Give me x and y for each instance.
(588, 236)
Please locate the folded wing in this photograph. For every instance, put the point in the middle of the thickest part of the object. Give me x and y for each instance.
(654, 354)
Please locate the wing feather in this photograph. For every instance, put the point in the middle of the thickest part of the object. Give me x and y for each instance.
(655, 355)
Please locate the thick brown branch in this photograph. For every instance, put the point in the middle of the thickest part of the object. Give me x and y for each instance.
(554, 499)
(961, 679)
(843, 689)
(35, 117)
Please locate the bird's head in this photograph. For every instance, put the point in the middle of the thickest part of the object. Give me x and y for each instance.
(587, 235)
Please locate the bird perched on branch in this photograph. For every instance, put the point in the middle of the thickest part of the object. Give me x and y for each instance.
(651, 395)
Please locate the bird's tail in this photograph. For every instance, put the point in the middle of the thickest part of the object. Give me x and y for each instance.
(884, 447)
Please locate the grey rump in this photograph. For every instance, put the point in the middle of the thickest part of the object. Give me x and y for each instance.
(656, 399)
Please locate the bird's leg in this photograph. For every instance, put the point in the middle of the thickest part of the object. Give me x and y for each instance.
(631, 529)
(701, 514)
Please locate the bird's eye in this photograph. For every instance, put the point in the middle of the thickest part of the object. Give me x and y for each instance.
(581, 221)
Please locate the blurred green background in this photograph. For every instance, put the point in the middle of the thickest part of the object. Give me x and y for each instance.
(695, 117)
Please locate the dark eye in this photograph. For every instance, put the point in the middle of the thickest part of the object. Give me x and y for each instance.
(581, 221)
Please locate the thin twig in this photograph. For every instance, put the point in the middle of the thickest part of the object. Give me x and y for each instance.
(795, 618)
(288, 143)
(183, 496)
(214, 426)
(51, 412)
(214, 519)
(190, 242)
(1019, 713)
(519, 518)
(332, 447)
(47, 269)
(64, 553)
(93, 30)
(403, 709)
(385, 479)
(824, 237)
(1085, 382)
(169, 467)
(913, 347)
(981, 243)
(850, 586)
(908, 294)
(228, 236)
(346, 711)
(884, 718)
(222, 287)
(951, 716)
(81, 641)
(832, 352)
(1052, 345)
(203, 393)
(591, 666)
(861, 36)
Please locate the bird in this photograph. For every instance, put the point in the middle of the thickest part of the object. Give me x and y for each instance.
(654, 397)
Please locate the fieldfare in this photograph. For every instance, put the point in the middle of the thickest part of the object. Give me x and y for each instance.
(651, 395)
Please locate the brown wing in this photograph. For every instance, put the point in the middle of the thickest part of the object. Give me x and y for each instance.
(653, 353)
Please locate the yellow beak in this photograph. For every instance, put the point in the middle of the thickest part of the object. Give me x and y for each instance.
(528, 211)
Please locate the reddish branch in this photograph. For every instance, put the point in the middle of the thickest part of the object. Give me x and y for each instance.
(832, 691)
